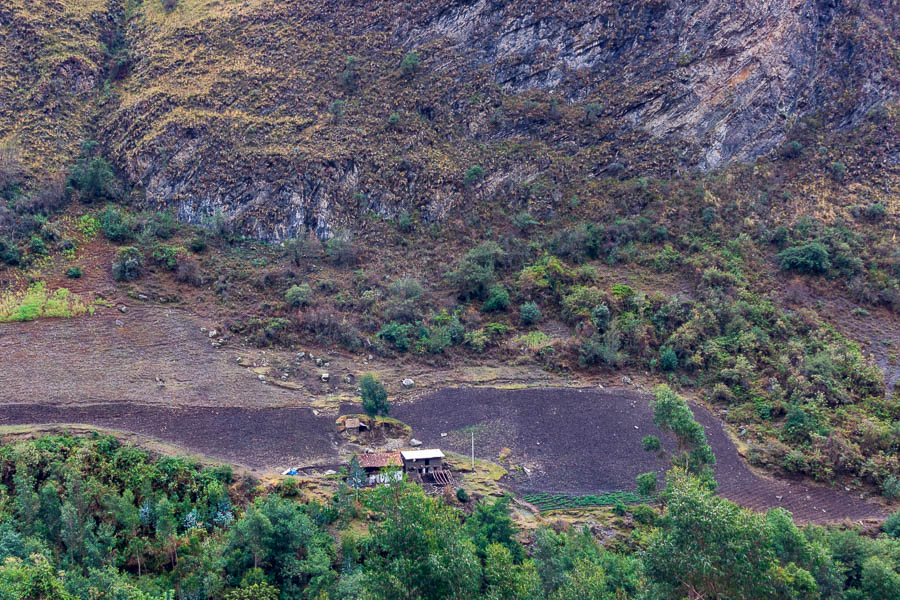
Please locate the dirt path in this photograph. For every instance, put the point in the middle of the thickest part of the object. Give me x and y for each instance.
(574, 441)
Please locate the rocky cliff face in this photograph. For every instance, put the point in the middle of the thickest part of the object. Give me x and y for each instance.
(729, 75)
(295, 117)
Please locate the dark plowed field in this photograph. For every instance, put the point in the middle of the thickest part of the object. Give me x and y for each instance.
(574, 441)
(265, 439)
(587, 441)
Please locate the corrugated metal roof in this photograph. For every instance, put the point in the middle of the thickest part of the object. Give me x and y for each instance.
(421, 454)
(379, 460)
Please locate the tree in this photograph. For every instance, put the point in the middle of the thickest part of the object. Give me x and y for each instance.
(709, 547)
(418, 551)
(490, 523)
(374, 396)
(505, 580)
(356, 475)
(167, 529)
(672, 413)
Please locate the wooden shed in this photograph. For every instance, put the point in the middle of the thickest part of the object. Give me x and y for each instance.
(422, 461)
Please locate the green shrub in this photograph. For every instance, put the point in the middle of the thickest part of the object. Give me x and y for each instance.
(892, 525)
(644, 513)
(74, 272)
(890, 487)
(498, 299)
(580, 302)
(404, 222)
(793, 149)
(651, 443)
(529, 313)
(668, 359)
(393, 119)
(94, 180)
(163, 225)
(524, 221)
(128, 264)
(474, 273)
(37, 247)
(600, 317)
(473, 175)
(373, 395)
(116, 226)
(410, 63)
(462, 495)
(603, 349)
(9, 253)
(838, 171)
(166, 257)
(298, 295)
(646, 483)
(799, 425)
(197, 244)
(397, 334)
(336, 108)
(811, 257)
(619, 508)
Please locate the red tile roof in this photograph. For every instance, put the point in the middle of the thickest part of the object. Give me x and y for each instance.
(379, 460)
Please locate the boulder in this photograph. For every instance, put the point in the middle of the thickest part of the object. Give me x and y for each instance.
(325, 377)
(415, 443)
(408, 383)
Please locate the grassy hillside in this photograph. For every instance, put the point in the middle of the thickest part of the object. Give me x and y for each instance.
(421, 205)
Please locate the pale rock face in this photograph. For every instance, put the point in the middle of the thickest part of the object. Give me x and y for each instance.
(720, 81)
(726, 75)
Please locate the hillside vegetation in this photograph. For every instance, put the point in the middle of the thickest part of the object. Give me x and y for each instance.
(94, 519)
(589, 188)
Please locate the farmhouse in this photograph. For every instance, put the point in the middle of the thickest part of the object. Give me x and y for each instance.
(375, 464)
(425, 466)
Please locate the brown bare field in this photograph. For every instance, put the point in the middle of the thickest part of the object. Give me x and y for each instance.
(154, 373)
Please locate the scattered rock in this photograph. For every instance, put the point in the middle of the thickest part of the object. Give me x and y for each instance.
(778, 497)
(301, 354)
(325, 377)
(213, 333)
(600, 386)
(123, 309)
(626, 380)
(119, 323)
(370, 357)
(415, 443)
(319, 362)
(203, 330)
(348, 379)
(331, 472)
(408, 383)
(443, 435)
(315, 412)
(143, 297)
(262, 377)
